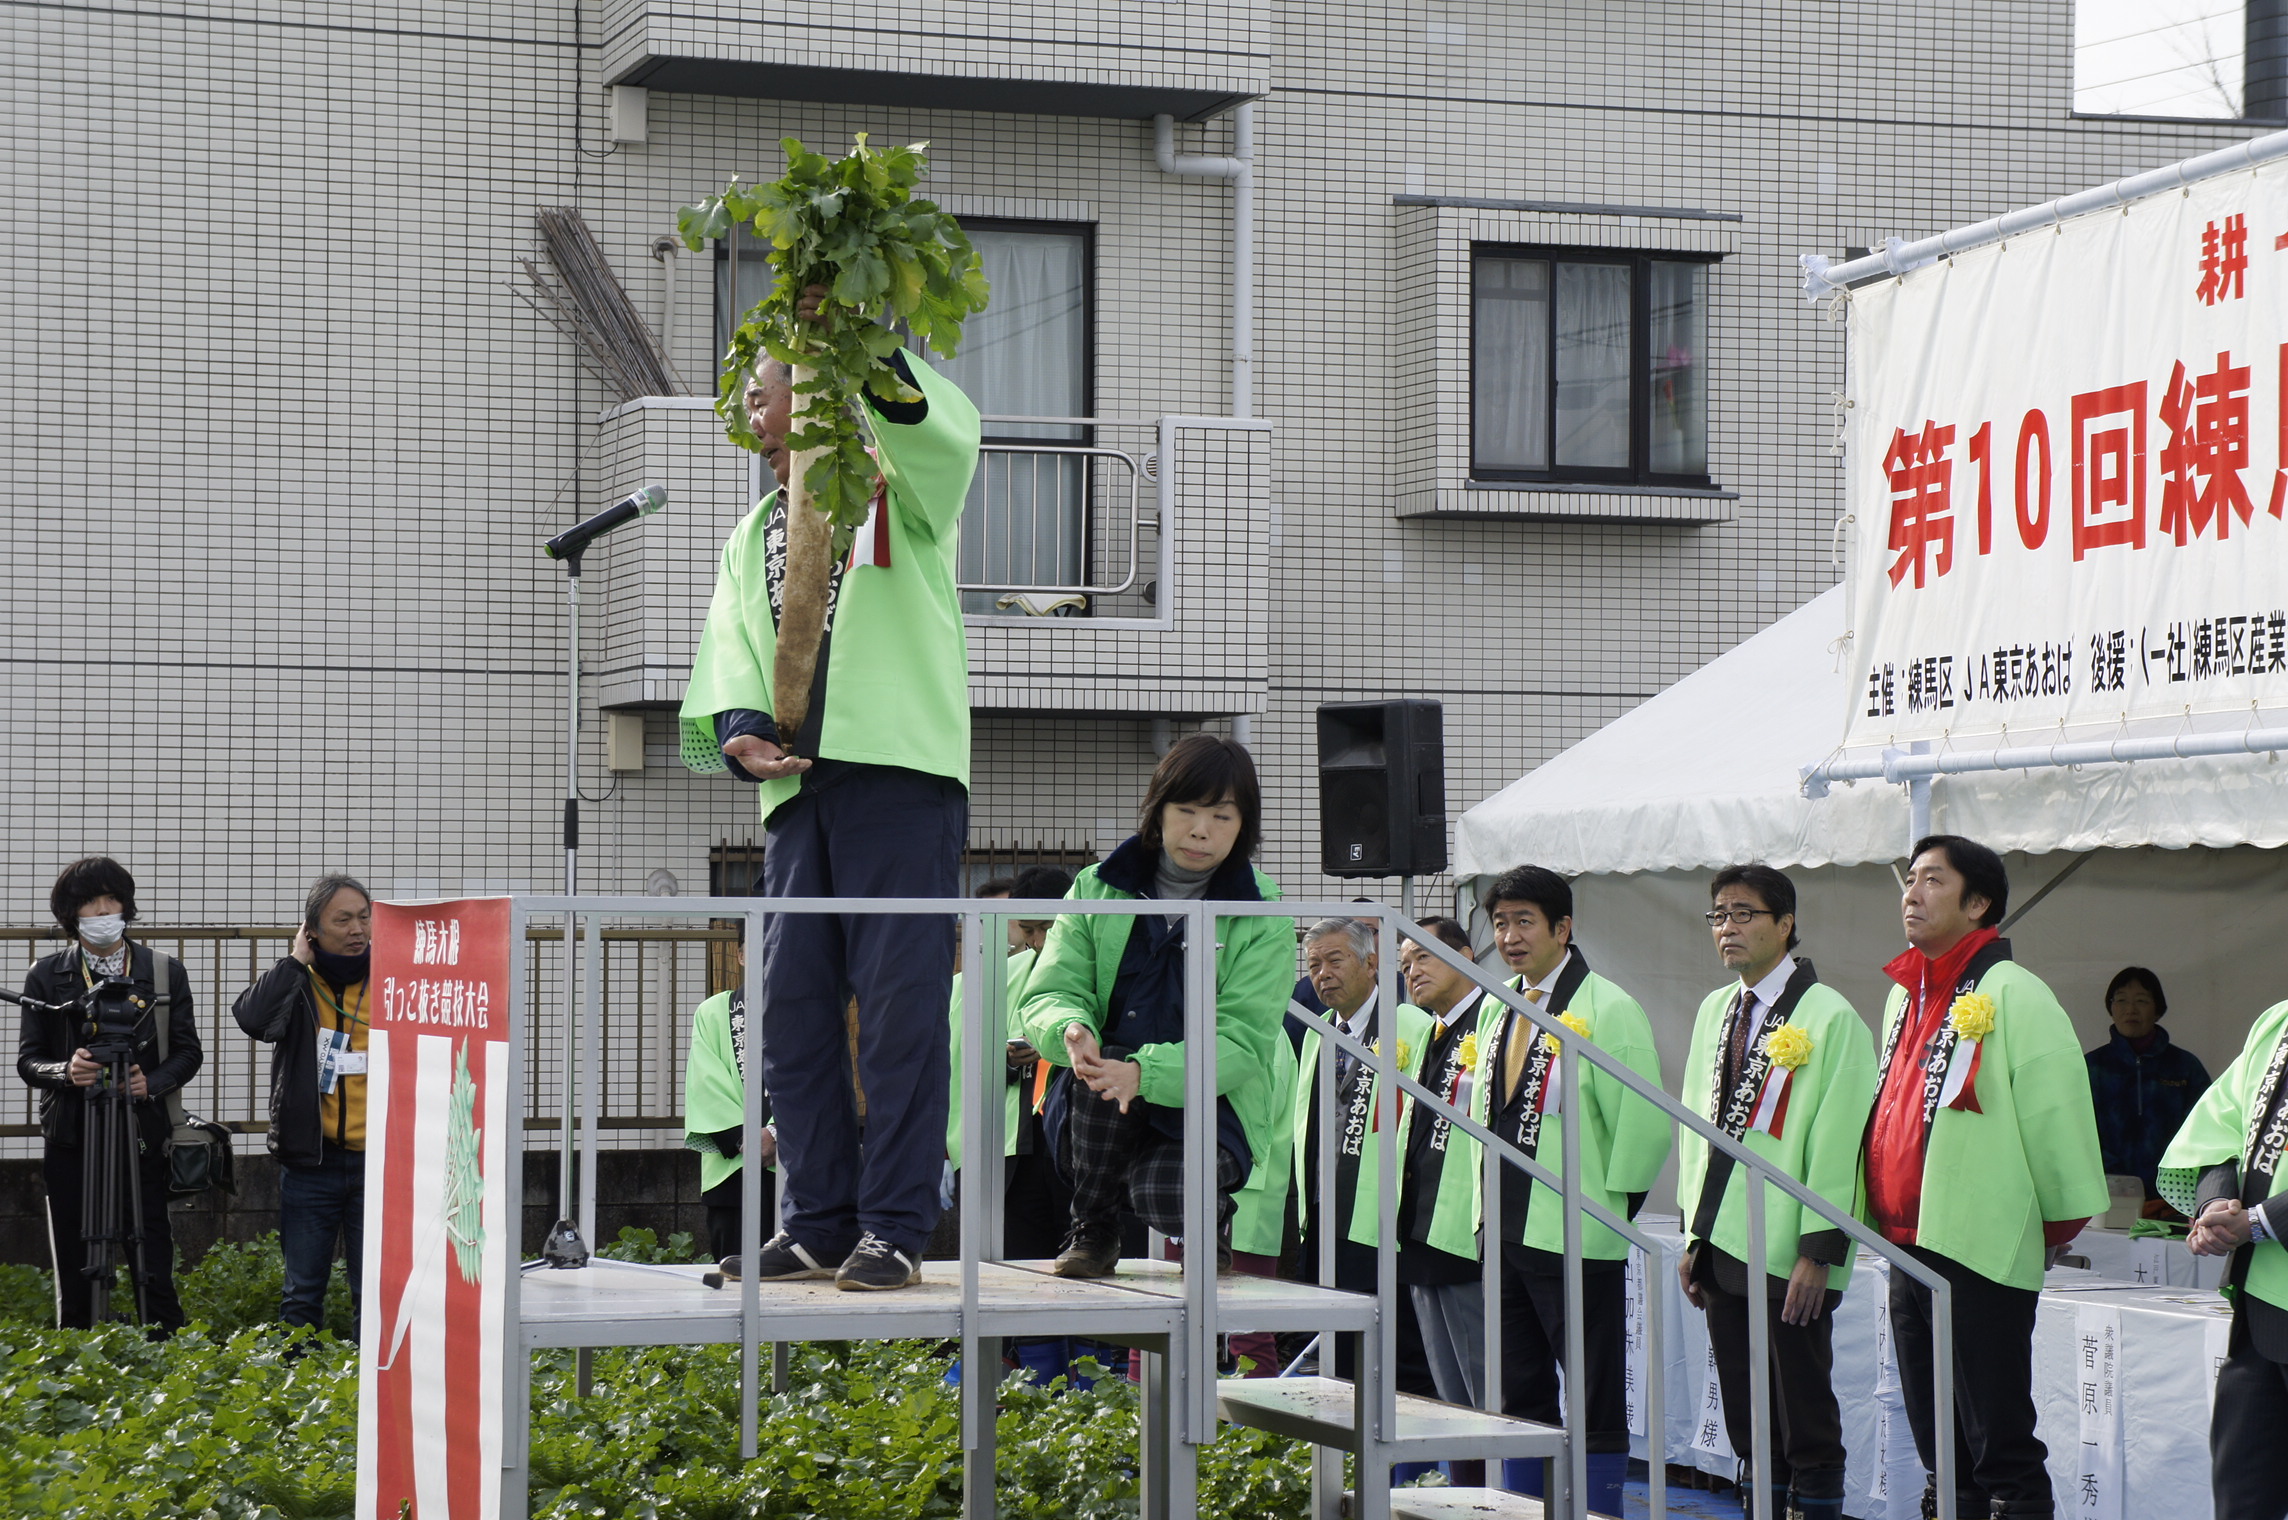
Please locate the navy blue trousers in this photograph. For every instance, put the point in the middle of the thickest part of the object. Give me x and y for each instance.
(318, 1205)
(861, 831)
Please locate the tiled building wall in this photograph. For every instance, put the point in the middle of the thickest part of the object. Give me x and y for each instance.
(283, 441)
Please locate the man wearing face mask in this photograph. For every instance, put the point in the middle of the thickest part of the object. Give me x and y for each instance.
(314, 1007)
(93, 902)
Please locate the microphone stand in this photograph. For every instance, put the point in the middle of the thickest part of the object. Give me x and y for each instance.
(566, 1247)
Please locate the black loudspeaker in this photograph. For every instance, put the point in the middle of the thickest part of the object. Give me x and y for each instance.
(1382, 788)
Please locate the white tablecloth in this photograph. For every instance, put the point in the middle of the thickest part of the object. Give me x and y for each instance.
(2142, 1452)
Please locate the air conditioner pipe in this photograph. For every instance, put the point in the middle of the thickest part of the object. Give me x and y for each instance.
(1239, 168)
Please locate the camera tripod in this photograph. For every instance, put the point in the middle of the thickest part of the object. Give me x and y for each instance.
(107, 1018)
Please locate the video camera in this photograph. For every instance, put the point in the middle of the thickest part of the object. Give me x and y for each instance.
(110, 1015)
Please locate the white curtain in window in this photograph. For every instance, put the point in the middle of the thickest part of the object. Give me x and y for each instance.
(1026, 355)
(1678, 412)
(1510, 363)
(1593, 366)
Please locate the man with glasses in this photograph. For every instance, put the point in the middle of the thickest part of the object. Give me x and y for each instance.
(1781, 1063)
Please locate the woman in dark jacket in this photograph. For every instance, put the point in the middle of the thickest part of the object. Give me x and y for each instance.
(2141, 1085)
(93, 902)
(1105, 1000)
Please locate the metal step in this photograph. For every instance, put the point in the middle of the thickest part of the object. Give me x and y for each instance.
(1457, 1504)
(1320, 1410)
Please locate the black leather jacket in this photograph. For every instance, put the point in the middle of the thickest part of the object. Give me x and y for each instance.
(45, 1041)
(280, 1010)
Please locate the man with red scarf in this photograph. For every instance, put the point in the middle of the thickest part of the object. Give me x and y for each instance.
(1982, 1160)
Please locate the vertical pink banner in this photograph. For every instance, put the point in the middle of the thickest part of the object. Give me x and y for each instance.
(429, 1399)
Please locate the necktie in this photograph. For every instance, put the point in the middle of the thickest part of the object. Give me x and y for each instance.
(1346, 1064)
(1736, 1049)
(1516, 1048)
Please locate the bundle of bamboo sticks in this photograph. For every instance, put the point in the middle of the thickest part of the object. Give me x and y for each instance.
(588, 304)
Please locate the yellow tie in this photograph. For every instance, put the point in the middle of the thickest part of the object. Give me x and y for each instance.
(1521, 1038)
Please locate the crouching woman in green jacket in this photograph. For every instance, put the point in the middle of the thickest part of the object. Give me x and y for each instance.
(1106, 1000)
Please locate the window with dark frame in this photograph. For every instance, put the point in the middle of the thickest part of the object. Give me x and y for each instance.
(1030, 353)
(1588, 366)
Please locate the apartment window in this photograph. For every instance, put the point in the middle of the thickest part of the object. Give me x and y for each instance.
(1028, 354)
(1588, 367)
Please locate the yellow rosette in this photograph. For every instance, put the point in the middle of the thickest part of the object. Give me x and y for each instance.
(1576, 1023)
(1788, 1046)
(1468, 1052)
(1971, 1016)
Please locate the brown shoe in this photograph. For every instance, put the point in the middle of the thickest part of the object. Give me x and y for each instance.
(1090, 1251)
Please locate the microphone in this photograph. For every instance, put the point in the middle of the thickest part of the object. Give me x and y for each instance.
(574, 541)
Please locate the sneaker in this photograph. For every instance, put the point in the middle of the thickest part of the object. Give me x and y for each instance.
(877, 1265)
(1090, 1251)
(781, 1259)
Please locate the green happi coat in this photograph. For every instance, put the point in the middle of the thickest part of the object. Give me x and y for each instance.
(1365, 1220)
(894, 674)
(1020, 972)
(1255, 970)
(1821, 1133)
(1453, 1209)
(1259, 1218)
(1624, 1139)
(2221, 1128)
(1991, 1178)
(714, 1098)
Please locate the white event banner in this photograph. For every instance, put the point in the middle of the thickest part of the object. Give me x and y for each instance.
(2066, 472)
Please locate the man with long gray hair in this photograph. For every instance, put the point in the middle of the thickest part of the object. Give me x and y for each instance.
(313, 1007)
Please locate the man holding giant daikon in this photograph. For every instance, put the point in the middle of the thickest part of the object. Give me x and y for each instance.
(833, 673)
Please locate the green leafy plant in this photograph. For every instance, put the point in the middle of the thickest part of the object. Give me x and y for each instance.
(886, 261)
(259, 1426)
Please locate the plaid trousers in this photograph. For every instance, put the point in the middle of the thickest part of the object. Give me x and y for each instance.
(1116, 1158)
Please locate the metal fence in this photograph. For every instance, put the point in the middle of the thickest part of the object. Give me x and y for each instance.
(652, 979)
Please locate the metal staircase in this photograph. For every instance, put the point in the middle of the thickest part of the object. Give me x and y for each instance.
(1172, 1314)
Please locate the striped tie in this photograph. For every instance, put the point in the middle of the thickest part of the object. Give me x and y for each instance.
(1520, 1043)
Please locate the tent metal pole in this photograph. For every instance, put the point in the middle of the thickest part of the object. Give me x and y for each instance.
(1899, 766)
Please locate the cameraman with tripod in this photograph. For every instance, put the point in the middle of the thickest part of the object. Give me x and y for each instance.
(91, 1040)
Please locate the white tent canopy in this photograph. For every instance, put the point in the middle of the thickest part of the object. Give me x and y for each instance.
(2166, 866)
(1707, 774)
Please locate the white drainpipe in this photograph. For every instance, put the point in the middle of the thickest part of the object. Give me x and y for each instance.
(1240, 170)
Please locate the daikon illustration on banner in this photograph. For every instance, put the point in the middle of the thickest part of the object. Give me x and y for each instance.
(439, 1229)
(2068, 474)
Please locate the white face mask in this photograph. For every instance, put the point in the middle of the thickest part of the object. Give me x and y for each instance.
(102, 930)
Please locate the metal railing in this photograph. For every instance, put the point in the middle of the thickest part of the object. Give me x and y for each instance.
(1058, 519)
(1496, 1153)
(1191, 1355)
(650, 979)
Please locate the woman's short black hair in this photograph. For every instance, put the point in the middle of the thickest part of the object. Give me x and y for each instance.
(1205, 768)
(82, 882)
(1981, 871)
(1771, 886)
(2128, 974)
(1538, 885)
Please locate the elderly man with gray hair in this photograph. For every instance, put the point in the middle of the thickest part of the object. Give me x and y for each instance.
(313, 1007)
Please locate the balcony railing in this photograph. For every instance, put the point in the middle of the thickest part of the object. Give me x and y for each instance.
(1057, 528)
